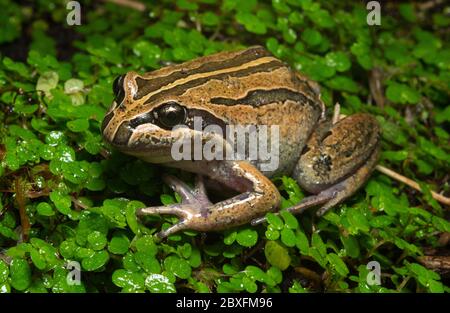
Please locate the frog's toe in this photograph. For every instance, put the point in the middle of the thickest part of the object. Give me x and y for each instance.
(196, 196)
(307, 202)
(172, 230)
(174, 209)
(200, 190)
(194, 203)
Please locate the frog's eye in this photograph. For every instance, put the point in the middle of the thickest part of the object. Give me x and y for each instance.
(170, 114)
(118, 90)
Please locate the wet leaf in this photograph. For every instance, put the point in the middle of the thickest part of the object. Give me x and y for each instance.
(130, 280)
(158, 283)
(247, 237)
(96, 261)
(20, 274)
(119, 244)
(177, 266)
(277, 255)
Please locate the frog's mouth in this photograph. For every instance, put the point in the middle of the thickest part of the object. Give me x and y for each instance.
(146, 141)
(158, 145)
(157, 156)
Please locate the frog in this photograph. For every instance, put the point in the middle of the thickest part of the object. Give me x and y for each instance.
(330, 159)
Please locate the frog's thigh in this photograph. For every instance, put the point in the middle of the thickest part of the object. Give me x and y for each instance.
(336, 193)
(334, 152)
(340, 155)
(349, 185)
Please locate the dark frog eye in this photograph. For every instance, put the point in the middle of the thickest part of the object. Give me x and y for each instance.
(170, 114)
(118, 90)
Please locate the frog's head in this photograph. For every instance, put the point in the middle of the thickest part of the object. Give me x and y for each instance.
(140, 125)
(151, 112)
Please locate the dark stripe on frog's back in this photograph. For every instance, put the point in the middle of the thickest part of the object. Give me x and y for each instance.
(261, 97)
(178, 90)
(146, 86)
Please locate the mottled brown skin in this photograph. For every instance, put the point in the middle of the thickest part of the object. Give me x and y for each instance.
(241, 88)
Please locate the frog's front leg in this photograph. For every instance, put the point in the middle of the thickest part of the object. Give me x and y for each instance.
(257, 196)
(193, 201)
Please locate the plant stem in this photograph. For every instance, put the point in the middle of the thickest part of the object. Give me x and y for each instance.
(411, 183)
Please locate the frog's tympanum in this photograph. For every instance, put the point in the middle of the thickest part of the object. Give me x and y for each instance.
(249, 87)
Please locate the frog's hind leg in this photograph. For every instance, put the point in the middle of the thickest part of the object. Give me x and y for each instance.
(335, 194)
(340, 191)
(172, 230)
(192, 202)
(337, 160)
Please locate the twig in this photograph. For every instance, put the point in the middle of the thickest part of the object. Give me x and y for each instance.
(376, 88)
(403, 283)
(198, 25)
(258, 247)
(136, 5)
(216, 33)
(105, 153)
(20, 198)
(444, 239)
(429, 4)
(5, 258)
(336, 113)
(411, 183)
(309, 274)
(78, 203)
(375, 247)
(38, 194)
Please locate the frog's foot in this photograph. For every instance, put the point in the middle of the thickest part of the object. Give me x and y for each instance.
(307, 202)
(193, 202)
(335, 194)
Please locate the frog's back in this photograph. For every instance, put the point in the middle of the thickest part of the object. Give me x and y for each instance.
(224, 78)
(254, 87)
(246, 87)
